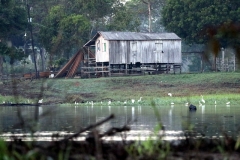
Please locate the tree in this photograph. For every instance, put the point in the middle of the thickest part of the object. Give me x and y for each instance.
(124, 19)
(12, 53)
(60, 32)
(96, 11)
(148, 13)
(215, 23)
(13, 21)
(75, 29)
(200, 21)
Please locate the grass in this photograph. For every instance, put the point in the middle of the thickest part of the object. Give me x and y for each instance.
(220, 87)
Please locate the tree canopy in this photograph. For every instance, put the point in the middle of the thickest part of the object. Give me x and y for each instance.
(13, 22)
(148, 14)
(63, 26)
(61, 32)
(13, 19)
(201, 21)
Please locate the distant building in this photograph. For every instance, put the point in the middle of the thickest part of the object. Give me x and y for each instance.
(136, 49)
(123, 53)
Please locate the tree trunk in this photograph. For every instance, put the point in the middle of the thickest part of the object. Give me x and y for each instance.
(149, 16)
(33, 51)
(42, 59)
(1, 65)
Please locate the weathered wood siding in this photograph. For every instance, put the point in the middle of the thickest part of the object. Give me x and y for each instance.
(164, 51)
(117, 50)
(102, 50)
(172, 51)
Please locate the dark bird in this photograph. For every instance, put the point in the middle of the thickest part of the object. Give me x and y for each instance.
(192, 107)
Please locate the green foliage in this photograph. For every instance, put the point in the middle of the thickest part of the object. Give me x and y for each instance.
(154, 144)
(61, 32)
(59, 62)
(237, 145)
(139, 10)
(124, 20)
(13, 19)
(199, 21)
(4, 50)
(3, 149)
(73, 27)
(49, 31)
(12, 53)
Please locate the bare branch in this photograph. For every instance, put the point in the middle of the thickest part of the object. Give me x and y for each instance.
(88, 128)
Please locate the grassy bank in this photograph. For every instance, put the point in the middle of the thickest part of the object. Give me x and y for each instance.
(220, 87)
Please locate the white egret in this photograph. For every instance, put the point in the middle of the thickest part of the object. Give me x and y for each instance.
(125, 102)
(140, 99)
(133, 100)
(170, 94)
(92, 103)
(228, 103)
(109, 102)
(203, 101)
(40, 100)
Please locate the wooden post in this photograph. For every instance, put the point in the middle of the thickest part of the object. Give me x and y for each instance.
(109, 73)
(223, 60)
(214, 63)
(126, 66)
(234, 63)
(102, 70)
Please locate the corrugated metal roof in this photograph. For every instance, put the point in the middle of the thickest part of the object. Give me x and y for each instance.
(137, 36)
(131, 36)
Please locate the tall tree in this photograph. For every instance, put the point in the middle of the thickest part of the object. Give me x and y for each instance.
(123, 19)
(62, 32)
(215, 23)
(13, 21)
(197, 21)
(149, 14)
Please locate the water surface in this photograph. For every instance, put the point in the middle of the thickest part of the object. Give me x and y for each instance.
(208, 121)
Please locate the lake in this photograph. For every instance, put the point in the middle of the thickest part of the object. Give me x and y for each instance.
(208, 121)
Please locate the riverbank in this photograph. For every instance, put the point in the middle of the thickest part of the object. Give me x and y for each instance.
(219, 87)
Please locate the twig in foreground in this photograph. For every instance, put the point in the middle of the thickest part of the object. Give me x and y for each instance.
(88, 128)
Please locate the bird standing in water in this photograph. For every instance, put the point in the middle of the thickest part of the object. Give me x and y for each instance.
(40, 100)
(133, 100)
(140, 99)
(203, 101)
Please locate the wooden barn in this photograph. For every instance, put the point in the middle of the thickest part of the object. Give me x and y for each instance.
(123, 53)
(126, 52)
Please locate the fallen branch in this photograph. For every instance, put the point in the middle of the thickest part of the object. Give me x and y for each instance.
(87, 128)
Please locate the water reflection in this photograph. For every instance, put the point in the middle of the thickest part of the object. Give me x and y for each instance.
(209, 120)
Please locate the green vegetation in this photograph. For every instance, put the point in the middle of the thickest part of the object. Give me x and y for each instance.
(220, 87)
(154, 89)
(199, 21)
